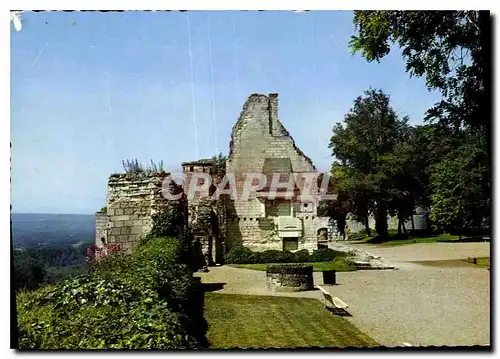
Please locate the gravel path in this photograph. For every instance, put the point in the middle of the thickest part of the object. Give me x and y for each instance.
(416, 304)
(247, 281)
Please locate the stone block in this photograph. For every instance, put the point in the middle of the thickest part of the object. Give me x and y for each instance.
(136, 230)
(129, 223)
(125, 230)
(128, 211)
(117, 223)
(121, 218)
(122, 238)
(118, 212)
(113, 231)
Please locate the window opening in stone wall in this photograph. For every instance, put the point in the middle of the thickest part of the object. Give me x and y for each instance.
(290, 244)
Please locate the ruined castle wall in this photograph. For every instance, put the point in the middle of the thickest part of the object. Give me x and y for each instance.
(132, 199)
(257, 135)
(101, 220)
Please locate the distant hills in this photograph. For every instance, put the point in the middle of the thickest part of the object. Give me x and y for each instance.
(32, 230)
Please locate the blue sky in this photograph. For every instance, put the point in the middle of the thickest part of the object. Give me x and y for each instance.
(91, 89)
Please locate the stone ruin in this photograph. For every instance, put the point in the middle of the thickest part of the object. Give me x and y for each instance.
(259, 144)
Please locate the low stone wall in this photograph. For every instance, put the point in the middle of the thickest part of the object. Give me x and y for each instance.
(286, 278)
(360, 259)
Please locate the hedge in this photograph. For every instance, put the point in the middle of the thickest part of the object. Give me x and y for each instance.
(243, 255)
(145, 300)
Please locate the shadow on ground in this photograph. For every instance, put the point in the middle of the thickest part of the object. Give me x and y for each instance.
(407, 239)
(339, 311)
(195, 323)
(212, 287)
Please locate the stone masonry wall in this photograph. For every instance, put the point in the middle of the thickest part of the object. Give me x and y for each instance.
(132, 199)
(101, 220)
(257, 135)
(419, 221)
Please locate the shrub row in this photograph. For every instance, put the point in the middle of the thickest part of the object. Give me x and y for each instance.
(139, 301)
(243, 255)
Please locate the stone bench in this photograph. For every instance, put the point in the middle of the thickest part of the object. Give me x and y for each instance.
(337, 303)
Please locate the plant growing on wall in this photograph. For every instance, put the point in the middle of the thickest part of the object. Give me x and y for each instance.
(219, 165)
(134, 166)
(168, 222)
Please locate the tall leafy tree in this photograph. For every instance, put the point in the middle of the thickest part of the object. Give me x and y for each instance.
(461, 204)
(451, 50)
(361, 144)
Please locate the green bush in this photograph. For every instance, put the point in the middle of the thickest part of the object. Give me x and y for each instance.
(240, 255)
(274, 256)
(302, 256)
(326, 255)
(118, 317)
(168, 222)
(138, 301)
(243, 255)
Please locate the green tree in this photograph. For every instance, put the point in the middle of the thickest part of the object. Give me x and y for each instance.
(336, 209)
(219, 165)
(459, 182)
(451, 50)
(361, 146)
(29, 272)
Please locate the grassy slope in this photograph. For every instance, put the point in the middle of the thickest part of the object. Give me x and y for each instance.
(338, 264)
(247, 321)
(394, 240)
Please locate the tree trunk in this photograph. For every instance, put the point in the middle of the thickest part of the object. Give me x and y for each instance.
(412, 223)
(399, 225)
(367, 226)
(381, 221)
(404, 228)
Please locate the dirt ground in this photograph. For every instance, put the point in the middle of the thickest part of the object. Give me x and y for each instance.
(415, 304)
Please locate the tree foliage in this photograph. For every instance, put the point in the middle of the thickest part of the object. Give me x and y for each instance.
(36, 267)
(449, 48)
(146, 300)
(451, 159)
(364, 147)
(459, 182)
(219, 165)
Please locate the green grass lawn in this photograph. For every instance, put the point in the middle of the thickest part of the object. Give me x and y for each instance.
(481, 262)
(430, 239)
(395, 240)
(250, 321)
(338, 264)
